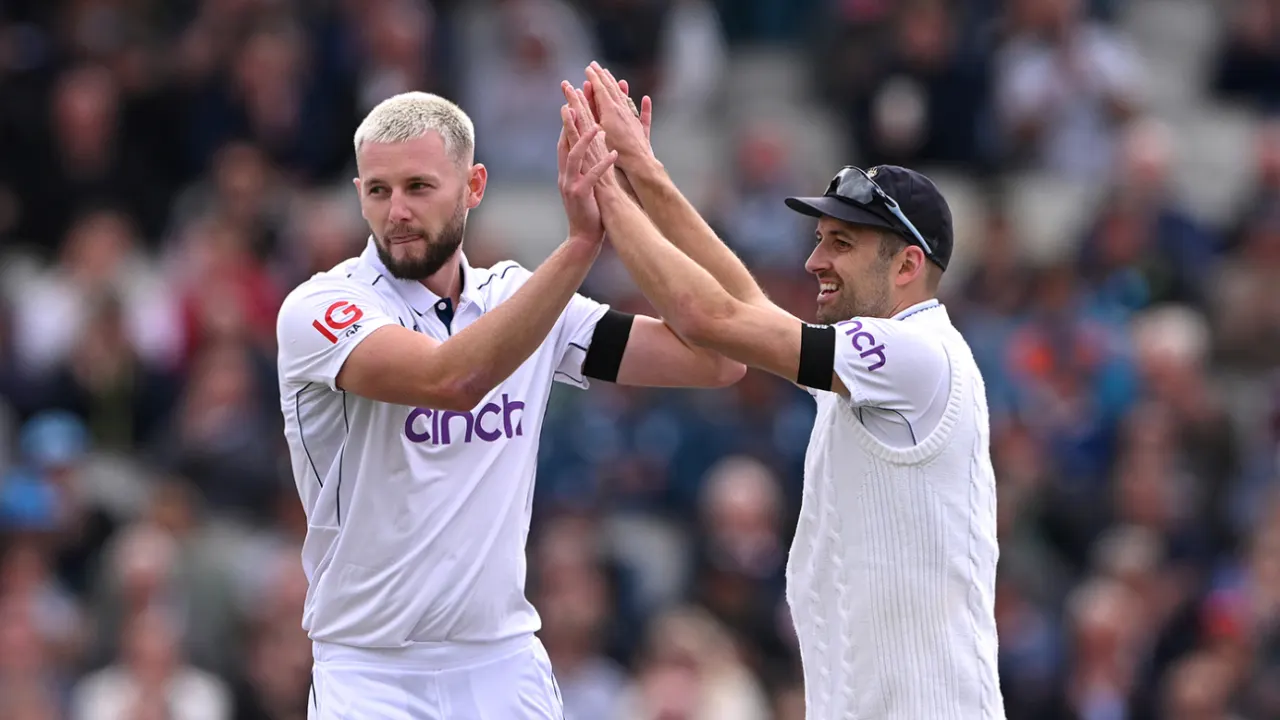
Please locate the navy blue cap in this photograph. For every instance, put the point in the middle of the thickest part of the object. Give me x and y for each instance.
(917, 197)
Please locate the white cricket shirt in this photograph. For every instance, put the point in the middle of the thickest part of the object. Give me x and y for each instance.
(891, 575)
(417, 518)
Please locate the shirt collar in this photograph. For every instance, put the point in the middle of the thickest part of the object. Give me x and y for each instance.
(918, 308)
(415, 293)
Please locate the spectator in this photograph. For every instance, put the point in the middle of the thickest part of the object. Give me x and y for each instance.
(1145, 249)
(1064, 87)
(276, 682)
(742, 558)
(758, 227)
(226, 292)
(1248, 66)
(221, 436)
(515, 53)
(573, 597)
(1246, 312)
(693, 62)
(30, 685)
(100, 257)
(929, 99)
(691, 670)
(82, 159)
(150, 681)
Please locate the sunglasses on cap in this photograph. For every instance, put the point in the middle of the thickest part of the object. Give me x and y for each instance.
(856, 186)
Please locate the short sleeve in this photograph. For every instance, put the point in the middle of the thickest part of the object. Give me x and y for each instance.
(320, 323)
(892, 365)
(577, 325)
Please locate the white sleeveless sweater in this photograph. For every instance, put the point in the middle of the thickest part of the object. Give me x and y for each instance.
(891, 575)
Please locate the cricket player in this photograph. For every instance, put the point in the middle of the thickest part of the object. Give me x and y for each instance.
(413, 387)
(891, 575)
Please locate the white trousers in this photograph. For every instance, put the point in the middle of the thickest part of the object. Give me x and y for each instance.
(508, 681)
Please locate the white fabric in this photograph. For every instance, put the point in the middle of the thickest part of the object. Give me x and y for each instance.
(896, 375)
(112, 693)
(891, 576)
(515, 683)
(417, 519)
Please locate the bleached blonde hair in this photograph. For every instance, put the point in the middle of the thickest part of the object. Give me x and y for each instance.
(411, 115)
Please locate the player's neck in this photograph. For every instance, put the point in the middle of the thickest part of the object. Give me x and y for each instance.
(447, 281)
(909, 301)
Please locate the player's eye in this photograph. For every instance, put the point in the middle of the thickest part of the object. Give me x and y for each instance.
(417, 186)
(842, 245)
(377, 190)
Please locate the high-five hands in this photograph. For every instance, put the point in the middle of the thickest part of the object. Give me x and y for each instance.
(584, 162)
(626, 128)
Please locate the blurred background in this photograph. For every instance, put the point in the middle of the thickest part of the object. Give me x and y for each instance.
(170, 169)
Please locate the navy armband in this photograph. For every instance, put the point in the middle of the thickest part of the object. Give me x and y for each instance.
(608, 344)
(817, 356)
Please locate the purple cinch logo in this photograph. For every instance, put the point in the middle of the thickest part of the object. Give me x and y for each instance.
(866, 342)
(489, 423)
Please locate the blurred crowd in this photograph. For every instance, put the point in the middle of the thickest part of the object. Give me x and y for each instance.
(170, 169)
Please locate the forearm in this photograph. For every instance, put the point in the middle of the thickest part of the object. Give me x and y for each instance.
(686, 295)
(677, 219)
(489, 350)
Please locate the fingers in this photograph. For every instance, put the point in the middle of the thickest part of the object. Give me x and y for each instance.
(646, 115)
(590, 93)
(613, 82)
(579, 150)
(602, 84)
(609, 76)
(562, 145)
(595, 174)
(624, 87)
(585, 116)
(577, 101)
(569, 125)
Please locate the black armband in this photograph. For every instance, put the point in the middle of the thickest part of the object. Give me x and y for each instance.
(817, 356)
(608, 344)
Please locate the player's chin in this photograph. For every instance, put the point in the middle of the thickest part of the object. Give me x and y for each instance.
(829, 310)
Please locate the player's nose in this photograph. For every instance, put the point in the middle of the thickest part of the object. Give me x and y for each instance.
(400, 209)
(817, 261)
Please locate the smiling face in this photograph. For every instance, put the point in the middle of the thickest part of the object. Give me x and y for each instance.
(855, 277)
(415, 198)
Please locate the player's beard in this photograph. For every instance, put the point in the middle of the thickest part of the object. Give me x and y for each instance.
(867, 298)
(438, 249)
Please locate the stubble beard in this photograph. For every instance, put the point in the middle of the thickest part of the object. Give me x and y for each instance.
(867, 299)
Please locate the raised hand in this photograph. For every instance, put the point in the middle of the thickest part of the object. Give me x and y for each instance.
(644, 112)
(583, 163)
(626, 128)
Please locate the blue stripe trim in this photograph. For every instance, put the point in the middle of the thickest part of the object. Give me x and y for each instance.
(510, 267)
(342, 453)
(917, 311)
(297, 412)
(910, 429)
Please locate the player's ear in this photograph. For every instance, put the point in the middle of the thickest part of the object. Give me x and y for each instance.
(477, 180)
(911, 265)
(359, 195)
